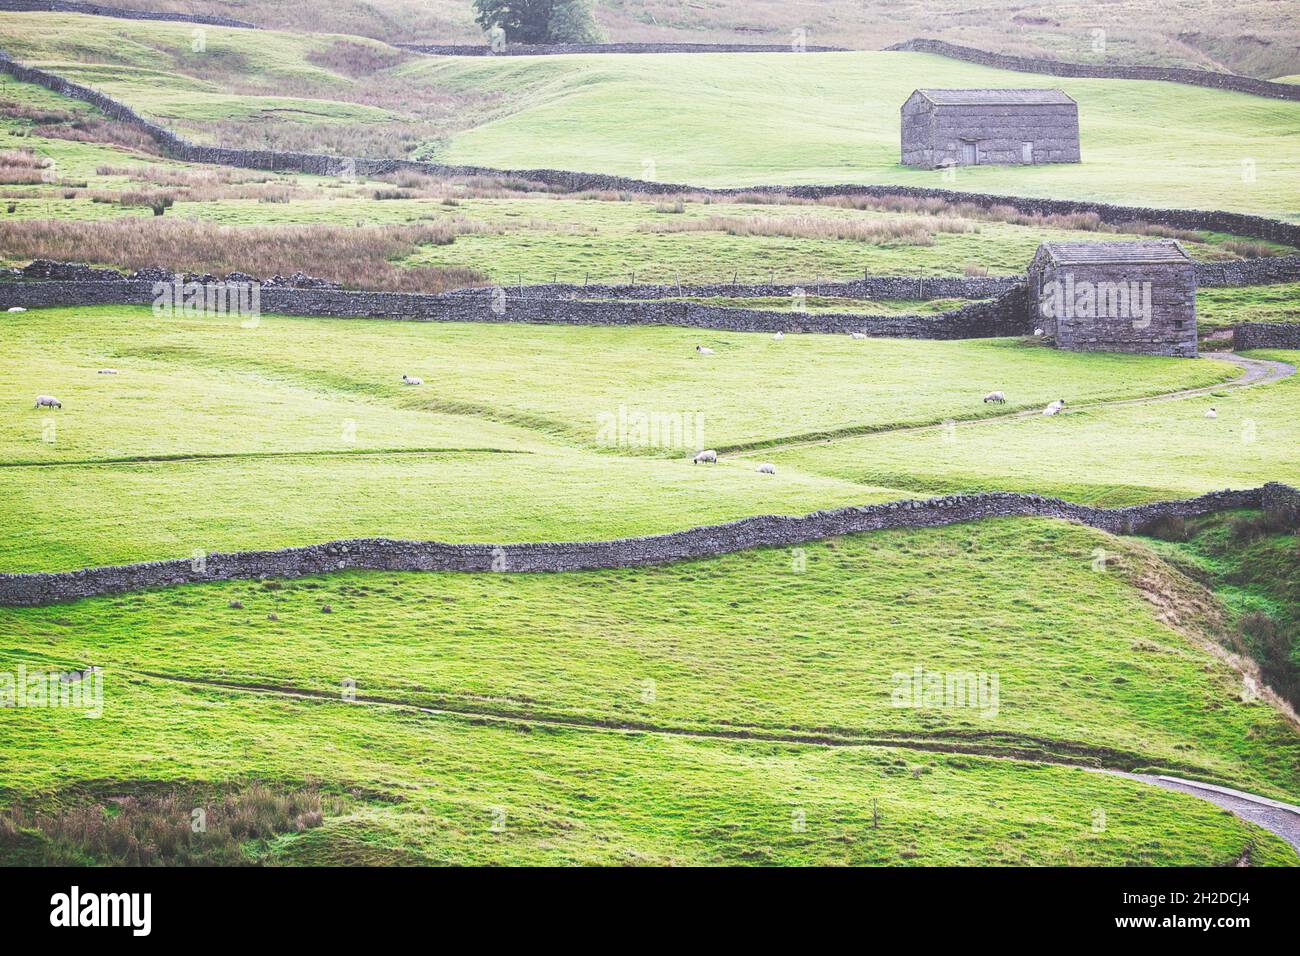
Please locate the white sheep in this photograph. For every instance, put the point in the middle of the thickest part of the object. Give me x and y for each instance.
(704, 350)
(1212, 413)
(779, 336)
(767, 468)
(48, 401)
(997, 398)
(107, 371)
(411, 379)
(1038, 331)
(16, 308)
(1055, 407)
(708, 456)
(858, 335)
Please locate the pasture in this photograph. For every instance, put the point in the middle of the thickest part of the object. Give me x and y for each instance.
(758, 707)
(700, 119)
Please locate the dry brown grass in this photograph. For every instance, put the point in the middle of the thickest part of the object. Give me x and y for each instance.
(207, 184)
(911, 232)
(84, 127)
(22, 167)
(1249, 250)
(180, 828)
(359, 257)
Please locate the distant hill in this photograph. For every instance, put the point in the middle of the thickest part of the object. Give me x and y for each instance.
(1253, 37)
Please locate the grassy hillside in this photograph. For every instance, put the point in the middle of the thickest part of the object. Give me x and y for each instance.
(1246, 36)
(1113, 455)
(433, 789)
(701, 119)
(714, 121)
(746, 644)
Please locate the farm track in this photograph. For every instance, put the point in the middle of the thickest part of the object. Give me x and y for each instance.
(1279, 818)
(1256, 372)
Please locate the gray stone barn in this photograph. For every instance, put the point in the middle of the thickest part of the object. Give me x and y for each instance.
(980, 127)
(1115, 296)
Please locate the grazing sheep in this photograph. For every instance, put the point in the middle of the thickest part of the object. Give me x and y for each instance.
(779, 336)
(704, 350)
(411, 380)
(1212, 413)
(996, 398)
(858, 335)
(1038, 331)
(767, 468)
(1055, 407)
(708, 456)
(17, 308)
(108, 371)
(48, 401)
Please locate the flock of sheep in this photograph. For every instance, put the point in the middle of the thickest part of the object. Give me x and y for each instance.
(708, 456)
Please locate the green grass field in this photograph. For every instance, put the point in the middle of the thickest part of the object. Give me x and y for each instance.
(743, 709)
(1113, 456)
(810, 652)
(306, 416)
(723, 119)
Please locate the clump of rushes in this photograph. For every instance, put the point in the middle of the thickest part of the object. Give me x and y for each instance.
(360, 257)
(179, 828)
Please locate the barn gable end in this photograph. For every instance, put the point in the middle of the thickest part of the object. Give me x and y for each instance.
(1115, 297)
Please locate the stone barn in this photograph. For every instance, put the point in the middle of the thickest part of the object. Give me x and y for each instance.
(980, 127)
(1115, 297)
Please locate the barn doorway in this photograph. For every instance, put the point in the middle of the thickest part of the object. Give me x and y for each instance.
(969, 154)
(1026, 152)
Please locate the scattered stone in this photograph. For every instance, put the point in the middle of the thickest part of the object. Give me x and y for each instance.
(237, 605)
(327, 609)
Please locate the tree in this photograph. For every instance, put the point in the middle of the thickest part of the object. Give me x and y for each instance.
(539, 21)
(572, 22)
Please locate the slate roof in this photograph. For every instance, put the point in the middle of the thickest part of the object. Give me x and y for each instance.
(973, 97)
(1144, 252)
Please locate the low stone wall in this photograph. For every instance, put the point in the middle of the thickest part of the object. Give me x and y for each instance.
(1004, 316)
(1240, 224)
(1025, 64)
(552, 49)
(919, 288)
(99, 10)
(382, 554)
(1266, 271)
(1266, 335)
(1283, 501)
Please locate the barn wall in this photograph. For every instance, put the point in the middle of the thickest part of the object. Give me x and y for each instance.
(1000, 132)
(1172, 326)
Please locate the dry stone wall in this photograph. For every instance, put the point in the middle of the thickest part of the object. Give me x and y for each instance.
(382, 554)
(1266, 335)
(1005, 316)
(551, 49)
(1025, 64)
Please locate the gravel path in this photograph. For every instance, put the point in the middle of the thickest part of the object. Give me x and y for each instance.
(1275, 816)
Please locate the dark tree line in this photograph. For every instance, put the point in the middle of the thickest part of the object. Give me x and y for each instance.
(539, 21)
